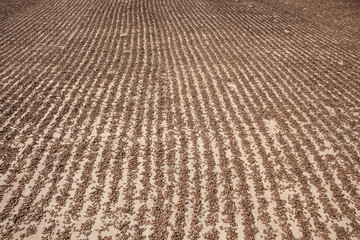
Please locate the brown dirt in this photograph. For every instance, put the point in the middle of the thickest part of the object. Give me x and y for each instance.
(169, 119)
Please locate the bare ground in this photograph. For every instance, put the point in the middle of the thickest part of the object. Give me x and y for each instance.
(169, 119)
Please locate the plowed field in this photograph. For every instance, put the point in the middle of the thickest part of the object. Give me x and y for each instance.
(179, 119)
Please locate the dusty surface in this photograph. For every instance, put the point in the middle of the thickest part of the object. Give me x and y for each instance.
(171, 119)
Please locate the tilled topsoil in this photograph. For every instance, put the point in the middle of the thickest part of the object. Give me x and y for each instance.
(172, 119)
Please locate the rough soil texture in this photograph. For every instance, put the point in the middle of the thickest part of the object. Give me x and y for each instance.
(173, 119)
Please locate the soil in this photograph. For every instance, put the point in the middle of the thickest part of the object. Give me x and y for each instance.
(169, 119)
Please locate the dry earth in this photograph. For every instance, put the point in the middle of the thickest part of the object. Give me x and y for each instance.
(174, 119)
